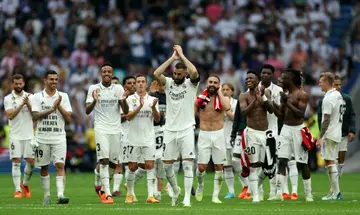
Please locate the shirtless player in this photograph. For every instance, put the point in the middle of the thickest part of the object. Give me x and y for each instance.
(211, 105)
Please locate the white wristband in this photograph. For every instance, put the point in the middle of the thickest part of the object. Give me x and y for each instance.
(264, 98)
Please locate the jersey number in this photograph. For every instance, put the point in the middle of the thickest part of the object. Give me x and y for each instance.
(159, 142)
(39, 153)
(12, 146)
(97, 146)
(130, 149)
(342, 111)
(250, 150)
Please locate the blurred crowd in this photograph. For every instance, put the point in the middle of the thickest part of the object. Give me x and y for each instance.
(226, 37)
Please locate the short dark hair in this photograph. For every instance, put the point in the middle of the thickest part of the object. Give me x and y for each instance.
(180, 65)
(17, 77)
(337, 77)
(215, 76)
(127, 78)
(114, 78)
(253, 72)
(268, 66)
(50, 72)
(141, 75)
(329, 77)
(296, 76)
(107, 63)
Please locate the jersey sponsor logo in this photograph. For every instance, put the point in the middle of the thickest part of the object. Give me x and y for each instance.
(177, 96)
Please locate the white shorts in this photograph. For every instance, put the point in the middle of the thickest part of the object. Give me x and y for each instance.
(108, 146)
(46, 153)
(229, 156)
(255, 145)
(290, 144)
(342, 146)
(159, 168)
(329, 150)
(159, 141)
(211, 144)
(179, 141)
(139, 154)
(227, 141)
(21, 148)
(124, 151)
(237, 146)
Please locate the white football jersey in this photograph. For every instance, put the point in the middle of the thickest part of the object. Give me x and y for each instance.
(51, 129)
(141, 127)
(275, 96)
(333, 104)
(107, 117)
(228, 123)
(21, 127)
(180, 101)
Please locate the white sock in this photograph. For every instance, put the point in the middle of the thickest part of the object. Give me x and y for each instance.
(307, 187)
(229, 179)
(218, 180)
(97, 178)
(286, 184)
(188, 179)
(273, 186)
(294, 176)
(16, 175)
(334, 179)
(262, 177)
(279, 184)
(45, 183)
(111, 173)
(104, 175)
(126, 170)
(117, 181)
(155, 185)
(200, 177)
(254, 182)
(27, 173)
(60, 185)
(176, 166)
(150, 177)
(340, 167)
(139, 174)
(244, 181)
(130, 182)
(171, 177)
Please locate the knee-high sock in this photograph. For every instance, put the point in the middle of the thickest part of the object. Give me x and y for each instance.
(60, 181)
(334, 179)
(244, 181)
(294, 176)
(188, 179)
(171, 177)
(150, 176)
(45, 183)
(286, 185)
(16, 175)
(229, 179)
(176, 167)
(307, 187)
(254, 182)
(97, 178)
(218, 180)
(130, 177)
(200, 177)
(340, 167)
(279, 184)
(105, 180)
(117, 181)
(139, 174)
(27, 173)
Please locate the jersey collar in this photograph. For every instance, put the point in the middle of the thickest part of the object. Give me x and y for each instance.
(16, 95)
(102, 87)
(330, 91)
(138, 97)
(44, 94)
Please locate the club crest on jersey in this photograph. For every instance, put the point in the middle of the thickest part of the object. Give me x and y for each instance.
(183, 86)
(134, 100)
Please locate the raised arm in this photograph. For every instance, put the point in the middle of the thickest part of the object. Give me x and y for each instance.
(225, 101)
(192, 69)
(300, 110)
(65, 108)
(155, 110)
(91, 100)
(12, 113)
(158, 73)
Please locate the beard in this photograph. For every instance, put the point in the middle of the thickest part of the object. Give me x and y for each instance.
(179, 81)
(18, 89)
(211, 90)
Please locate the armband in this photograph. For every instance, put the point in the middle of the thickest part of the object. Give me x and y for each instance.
(195, 81)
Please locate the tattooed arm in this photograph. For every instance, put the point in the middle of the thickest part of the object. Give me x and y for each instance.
(325, 125)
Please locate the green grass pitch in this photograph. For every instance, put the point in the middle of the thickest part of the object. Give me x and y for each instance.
(83, 200)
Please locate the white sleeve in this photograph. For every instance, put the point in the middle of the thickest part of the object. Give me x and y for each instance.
(89, 98)
(7, 104)
(131, 106)
(65, 103)
(167, 83)
(327, 106)
(120, 92)
(35, 104)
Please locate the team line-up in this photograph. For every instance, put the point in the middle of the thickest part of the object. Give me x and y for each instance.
(149, 131)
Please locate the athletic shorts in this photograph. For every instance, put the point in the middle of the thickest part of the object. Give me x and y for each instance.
(140, 154)
(342, 146)
(237, 146)
(46, 153)
(159, 168)
(182, 142)
(108, 146)
(159, 141)
(124, 151)
(211, 144)
(255, 141)
(20, 148)
(329, 150)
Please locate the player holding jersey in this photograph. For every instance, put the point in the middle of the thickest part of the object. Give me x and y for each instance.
(228, 91)
(143, 110)
(333, 108)
(105, 99)
(18, 110)
(51, 109)
(179, 133)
